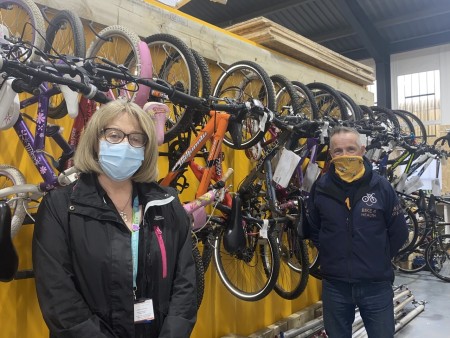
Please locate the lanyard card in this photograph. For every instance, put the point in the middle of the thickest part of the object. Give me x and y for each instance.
(143, 311)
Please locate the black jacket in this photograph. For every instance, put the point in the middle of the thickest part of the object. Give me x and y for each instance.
(83, 264)
(356, 243)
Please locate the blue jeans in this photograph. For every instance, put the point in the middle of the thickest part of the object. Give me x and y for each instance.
(375, 303)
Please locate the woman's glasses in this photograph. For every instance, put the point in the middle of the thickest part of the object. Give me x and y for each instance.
(114, 136)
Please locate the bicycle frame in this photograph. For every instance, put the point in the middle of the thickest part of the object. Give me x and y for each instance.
(214, 130)
(34, 144)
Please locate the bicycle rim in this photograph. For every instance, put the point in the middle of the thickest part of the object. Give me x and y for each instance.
(329, 101)
(242, 82)
(412, 260)
(9, 177)
(308, 104)
(64, 35)
(122, 47)
(24, 16)
(243, 273)
(294, 265)
(438, 257)
(174, 63)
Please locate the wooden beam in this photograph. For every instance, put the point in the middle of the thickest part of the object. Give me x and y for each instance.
(215, 44)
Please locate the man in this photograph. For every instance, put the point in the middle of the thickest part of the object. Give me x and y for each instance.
(358, 226)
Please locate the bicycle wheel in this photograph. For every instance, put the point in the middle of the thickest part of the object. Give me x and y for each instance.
(329, 102)
(10, 177)
(24, 16)
(287, 99)
(413, 229)
(438, 257)
(294, 264)
(199, 119)
(353, 110)
(199, 274)
(413, 260)
(123, 47)
(174, 63)
(244, 273)
(420, 132)
(406, 127)
(241, 82)
(308, 104)
(64, 35)
(386, 118)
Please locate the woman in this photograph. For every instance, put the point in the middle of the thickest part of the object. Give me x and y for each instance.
(114, 249)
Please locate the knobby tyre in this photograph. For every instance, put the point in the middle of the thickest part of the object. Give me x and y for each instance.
(287, 99)
(329, 101)
(243, 273)
(10, 177)
(199, 274)
(308, 103)
(174, 63)
(242, 82)
(64, 35)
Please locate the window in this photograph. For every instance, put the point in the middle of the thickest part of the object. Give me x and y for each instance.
(373, 89)
(419, 93)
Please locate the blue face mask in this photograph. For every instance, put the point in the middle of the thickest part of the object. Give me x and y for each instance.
(119, 161)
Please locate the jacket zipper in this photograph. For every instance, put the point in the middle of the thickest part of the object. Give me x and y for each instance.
(162, 248)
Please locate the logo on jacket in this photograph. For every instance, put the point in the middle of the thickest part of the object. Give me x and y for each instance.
(369, 199)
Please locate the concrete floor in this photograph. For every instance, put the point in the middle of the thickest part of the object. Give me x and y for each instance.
(434, 321)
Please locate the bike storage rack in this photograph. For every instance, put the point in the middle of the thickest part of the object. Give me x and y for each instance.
(314, 327)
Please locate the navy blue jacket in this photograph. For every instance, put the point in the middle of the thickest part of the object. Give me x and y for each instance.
(356, 244)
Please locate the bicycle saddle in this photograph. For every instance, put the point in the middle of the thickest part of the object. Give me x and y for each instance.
(432, 206)
(422, 203)
(9, 261)
(234, 237)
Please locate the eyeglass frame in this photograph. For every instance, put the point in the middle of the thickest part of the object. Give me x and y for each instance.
(104, 130)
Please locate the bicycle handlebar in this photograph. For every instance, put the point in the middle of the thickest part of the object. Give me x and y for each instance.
(30, 76)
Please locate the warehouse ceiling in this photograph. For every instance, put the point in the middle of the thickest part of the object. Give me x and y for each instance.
(358, 29)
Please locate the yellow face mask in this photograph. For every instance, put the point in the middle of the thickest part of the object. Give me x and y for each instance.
(349, 168)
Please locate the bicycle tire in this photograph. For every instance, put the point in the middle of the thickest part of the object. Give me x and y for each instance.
(199, 274)
(74, 43)
(437, 257)
(294, 265)
(329, 101)
(287, 101)
(309, 106)
(16, 23)
(208, 250)
(200, 119)
(132, 54)
(11, 176)
(406, 127)
(413, 231)
(420, 132)
(243, 273)
(353, 110)
(241, 82)
(387, 118)
(413, 260)
(174, 63)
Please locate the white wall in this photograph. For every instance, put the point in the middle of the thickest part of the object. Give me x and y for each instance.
(422, 60)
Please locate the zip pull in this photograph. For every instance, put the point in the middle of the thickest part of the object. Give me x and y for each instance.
(162, 248)
(134, 293)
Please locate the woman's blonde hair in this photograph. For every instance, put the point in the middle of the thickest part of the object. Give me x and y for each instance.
(86, 155)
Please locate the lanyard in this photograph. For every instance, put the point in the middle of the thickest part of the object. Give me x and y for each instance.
(136, 220)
